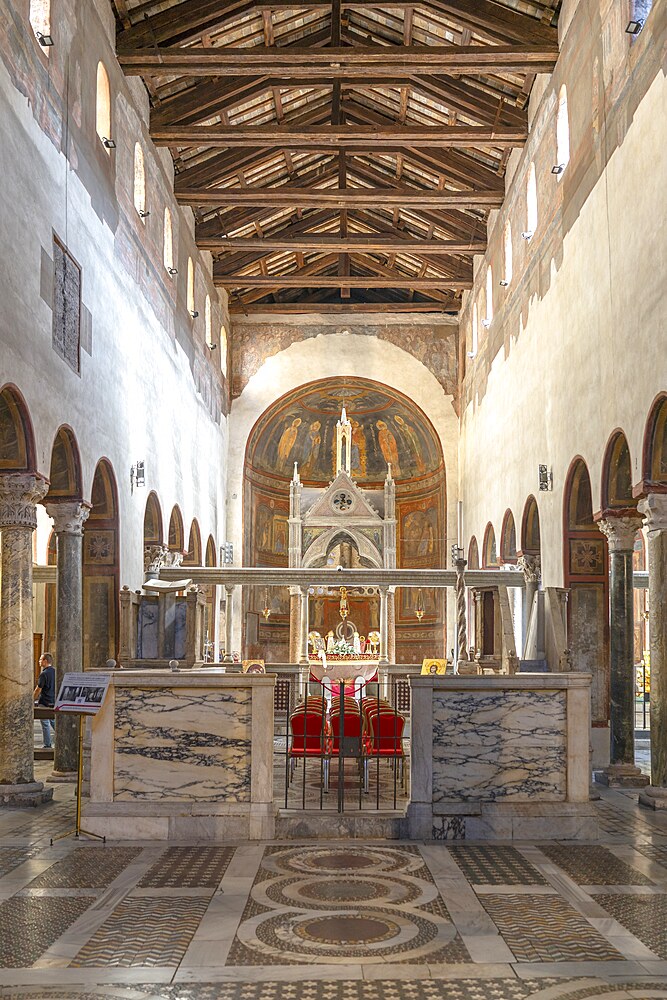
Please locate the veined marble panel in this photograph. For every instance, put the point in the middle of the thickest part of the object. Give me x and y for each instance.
(503, 744)
(184, 744)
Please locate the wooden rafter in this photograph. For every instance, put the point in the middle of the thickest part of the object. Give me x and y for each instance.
(336, 198)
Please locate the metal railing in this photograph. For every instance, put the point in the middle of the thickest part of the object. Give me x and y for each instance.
(343, 750)
(642, 697)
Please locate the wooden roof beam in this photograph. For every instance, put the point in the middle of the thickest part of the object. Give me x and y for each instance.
(299, 280)
(374, 61)
(337, 244)
(284, 195)
(331, 137)
(304, 306)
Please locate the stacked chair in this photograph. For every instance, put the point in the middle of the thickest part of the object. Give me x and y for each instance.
(310, 733)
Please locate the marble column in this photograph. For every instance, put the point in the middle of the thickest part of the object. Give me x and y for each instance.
(620, 532)
(531, 569)
(19, 493)
(384, 626)
(294, 607)
(654, 509)
(68, 520)
(391, 625)
(229, 621)
(303, 623)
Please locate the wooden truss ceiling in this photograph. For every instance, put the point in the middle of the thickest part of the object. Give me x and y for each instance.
(341, 154)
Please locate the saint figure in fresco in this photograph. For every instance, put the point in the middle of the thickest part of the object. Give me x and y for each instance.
(288, 439)
(358, 450)
(387, 443)
(411, 437)
(313, 443)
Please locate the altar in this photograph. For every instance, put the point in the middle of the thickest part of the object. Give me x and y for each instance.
(344, 670)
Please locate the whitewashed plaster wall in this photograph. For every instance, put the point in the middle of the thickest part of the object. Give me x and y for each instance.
(328, 356)
(592, 353)
(135, 397)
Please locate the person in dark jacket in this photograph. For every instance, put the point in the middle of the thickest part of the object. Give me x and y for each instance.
(45, 695)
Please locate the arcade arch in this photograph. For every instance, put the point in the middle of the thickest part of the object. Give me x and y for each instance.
(101, 570)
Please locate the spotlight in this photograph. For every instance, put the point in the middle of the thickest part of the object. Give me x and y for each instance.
(558, 168)
(471, 354)
(212, 347)
(634, 27)
(503, 282)
(486, 322)
(143, 214)
(528, 235)
(194, 313)
(45, 40)
(108, 143)
(172, 271)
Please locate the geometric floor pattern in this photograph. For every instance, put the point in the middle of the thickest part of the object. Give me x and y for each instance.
(333, 919)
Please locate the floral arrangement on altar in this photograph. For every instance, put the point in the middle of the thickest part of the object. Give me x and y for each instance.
(343, 650)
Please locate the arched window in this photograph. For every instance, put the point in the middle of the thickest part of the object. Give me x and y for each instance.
(208, 322)
(508, 254)
(223, 349)
(474, 334)
(139, 181)
(40, 21)
(103, 106)
(489, 297)
(191, 287)
(168, 243)
(562, 134)
(531, 204)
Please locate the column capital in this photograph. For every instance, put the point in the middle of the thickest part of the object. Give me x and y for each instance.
(173, 559)
(154, 558)
(654, 510)
(620, 531)
(68, 516)
(531, 567)
(19, 494)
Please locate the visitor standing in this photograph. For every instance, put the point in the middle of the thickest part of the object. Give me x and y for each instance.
(45, 695)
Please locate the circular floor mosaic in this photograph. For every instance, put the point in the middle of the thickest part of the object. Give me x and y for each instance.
(346, 929)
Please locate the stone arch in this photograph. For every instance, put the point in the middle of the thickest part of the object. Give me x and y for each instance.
(101, 569)
(654, 458)
(65, 469)
(153, 529)
(489, 548)
(176, 536)
(192, 556)
(317, 554)
(508, 550)
(616, 489)
(586, 574)
(210, 559)
(17, 439)
(530, 528)
(473, 554)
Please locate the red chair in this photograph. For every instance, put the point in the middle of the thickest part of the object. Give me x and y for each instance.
(384, 739)
(351, 721)
(310, 737)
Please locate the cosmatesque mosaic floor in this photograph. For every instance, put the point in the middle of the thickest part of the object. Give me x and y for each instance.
(333, 920)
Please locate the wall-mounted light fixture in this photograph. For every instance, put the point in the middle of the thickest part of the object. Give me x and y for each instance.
(503, 282)
(486, 322)
(634, 27)
(194, 313)
(108, 143)
(558, 168)
(266, 610)
(471, 354)
(172, 271)
(212, 347)
(45, 40)
(137, 476)
(143, 214)
(419, 607)
(545, 478)
(528, 235)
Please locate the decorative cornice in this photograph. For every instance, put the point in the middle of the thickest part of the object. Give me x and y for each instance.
(620, 531)
(654, 509)
(20, 492)
(68, 516)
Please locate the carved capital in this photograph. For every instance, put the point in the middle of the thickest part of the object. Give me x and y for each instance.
(620, 531)
(19, 494)
(68, 516)
(654, 510)
(531, 567)
(154, 558)
(173, 559)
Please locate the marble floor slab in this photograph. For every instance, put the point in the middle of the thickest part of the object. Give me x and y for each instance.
(333, 919)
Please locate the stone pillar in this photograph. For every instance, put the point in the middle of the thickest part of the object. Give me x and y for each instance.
(294, 609)
(654, 509)
(68, 520)
(384, 626)
(229, 621)
(303, 623)
(531, 569)
(620, 532)
(391, 625)
(19, 493)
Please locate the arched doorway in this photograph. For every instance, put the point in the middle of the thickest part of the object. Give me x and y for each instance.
(387, 429)
(101, 570)
(586, 572)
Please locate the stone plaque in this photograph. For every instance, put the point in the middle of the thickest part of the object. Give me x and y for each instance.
(66, 306)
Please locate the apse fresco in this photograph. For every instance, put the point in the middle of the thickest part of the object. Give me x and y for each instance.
(386, 429)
